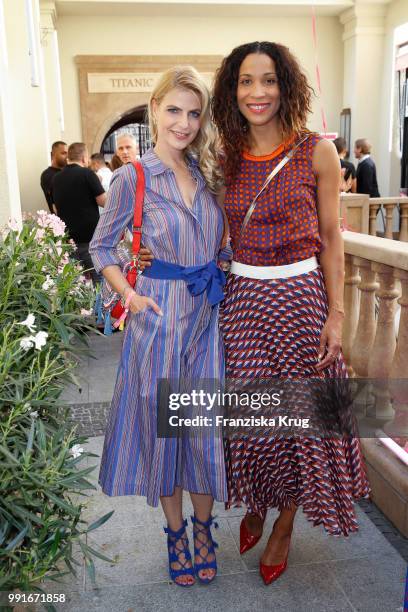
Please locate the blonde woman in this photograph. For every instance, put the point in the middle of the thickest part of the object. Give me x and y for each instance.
(173, 329)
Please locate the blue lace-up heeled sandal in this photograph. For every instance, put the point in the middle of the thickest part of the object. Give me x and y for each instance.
(203, 540)
(177, 545)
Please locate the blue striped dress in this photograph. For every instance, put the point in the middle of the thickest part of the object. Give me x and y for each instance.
(183, 344)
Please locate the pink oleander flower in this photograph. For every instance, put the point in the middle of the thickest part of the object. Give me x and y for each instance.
(14, 225)
(11, 226)
(49, 221)
(85, 312)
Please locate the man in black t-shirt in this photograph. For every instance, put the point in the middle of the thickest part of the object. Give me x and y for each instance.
(59, 153)
(77, 193)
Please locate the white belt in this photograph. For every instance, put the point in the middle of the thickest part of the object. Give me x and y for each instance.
(266, 272)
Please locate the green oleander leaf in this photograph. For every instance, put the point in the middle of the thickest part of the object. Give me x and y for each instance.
(100, 521)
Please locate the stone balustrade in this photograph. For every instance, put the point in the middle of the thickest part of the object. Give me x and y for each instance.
(388, 205)
(375, 345)
(359, 213)
(376, 282)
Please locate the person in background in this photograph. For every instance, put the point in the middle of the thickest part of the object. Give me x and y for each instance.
(98, 165)
(115, 163)
(59, 152)
(126, 148)
(349, 181)
(366, 170)
(77, 193)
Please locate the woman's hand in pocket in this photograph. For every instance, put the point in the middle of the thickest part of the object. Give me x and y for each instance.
(139, 303)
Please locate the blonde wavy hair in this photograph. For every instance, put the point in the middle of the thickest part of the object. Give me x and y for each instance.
(205, 147)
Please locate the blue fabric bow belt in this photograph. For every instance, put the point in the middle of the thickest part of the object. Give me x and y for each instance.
(207, 277)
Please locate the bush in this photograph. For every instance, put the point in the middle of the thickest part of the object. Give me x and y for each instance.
(45, 303)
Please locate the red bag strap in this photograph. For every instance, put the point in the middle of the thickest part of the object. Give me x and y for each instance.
(137, 218)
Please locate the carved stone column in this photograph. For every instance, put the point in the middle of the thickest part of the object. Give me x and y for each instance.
(373, 219)
(404, 221)
(363, 36)
(389, 209)
(351, 305)
(366, 327)
(10, 204)
(382, 354)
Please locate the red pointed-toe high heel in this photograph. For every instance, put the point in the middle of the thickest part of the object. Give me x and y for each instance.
(246, 539)
(270, 573)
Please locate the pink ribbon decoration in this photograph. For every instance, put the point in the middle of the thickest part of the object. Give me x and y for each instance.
(319, 86)
(124, 314)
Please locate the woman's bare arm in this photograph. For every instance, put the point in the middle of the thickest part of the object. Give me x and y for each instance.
(326, 168)
(118, 282)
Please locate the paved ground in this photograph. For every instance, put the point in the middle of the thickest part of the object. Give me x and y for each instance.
(365, 572)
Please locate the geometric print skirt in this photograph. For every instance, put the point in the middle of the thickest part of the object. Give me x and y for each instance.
(272, 329)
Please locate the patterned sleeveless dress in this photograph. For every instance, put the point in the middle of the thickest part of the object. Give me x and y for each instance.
(272, 329)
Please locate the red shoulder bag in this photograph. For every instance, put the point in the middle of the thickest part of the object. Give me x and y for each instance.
(116, 305)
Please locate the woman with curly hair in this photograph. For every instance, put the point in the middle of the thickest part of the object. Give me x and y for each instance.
(283, 312)
(172, 333)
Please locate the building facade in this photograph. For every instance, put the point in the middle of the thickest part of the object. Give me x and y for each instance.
(71, 69)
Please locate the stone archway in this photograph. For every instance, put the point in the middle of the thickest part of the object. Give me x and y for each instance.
(109, 85)
(107, 123)
(135, 120)
(132, 116)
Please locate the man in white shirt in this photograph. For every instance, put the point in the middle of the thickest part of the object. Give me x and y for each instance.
(98, 165)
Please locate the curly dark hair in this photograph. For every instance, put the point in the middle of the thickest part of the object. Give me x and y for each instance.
(295, 104)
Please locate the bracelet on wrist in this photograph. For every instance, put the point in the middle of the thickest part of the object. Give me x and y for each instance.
(126, 289)
(335, 309)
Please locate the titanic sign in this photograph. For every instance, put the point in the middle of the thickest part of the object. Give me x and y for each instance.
(128, 82)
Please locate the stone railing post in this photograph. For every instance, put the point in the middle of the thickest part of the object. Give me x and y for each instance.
(383, 349)
(373, 219)
(404, 220)
(366, 327)
(398, 427)
(351, 305)
(389, 208)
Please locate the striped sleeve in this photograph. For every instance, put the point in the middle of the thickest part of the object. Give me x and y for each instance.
(116, 216)
(225, 254)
